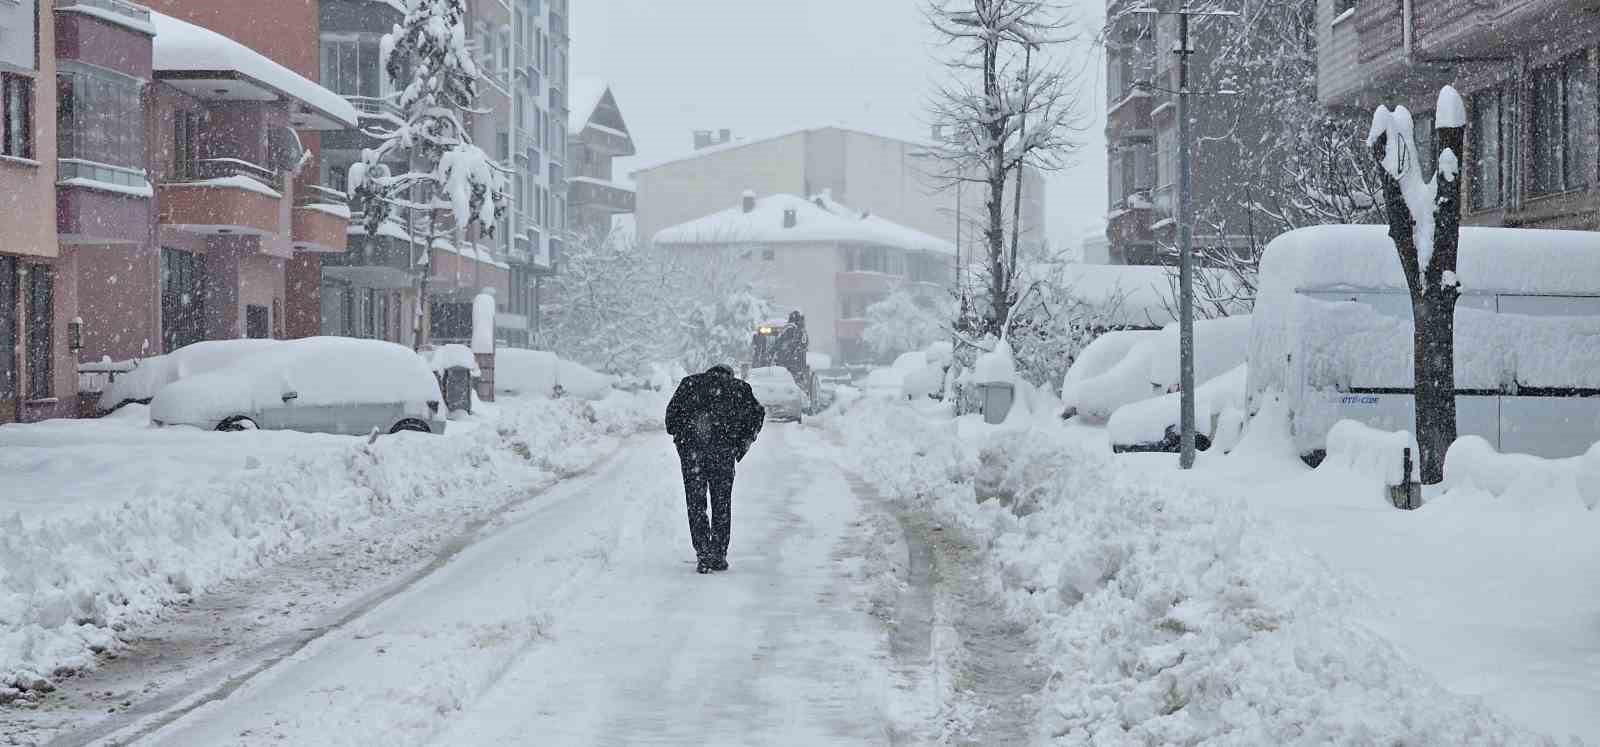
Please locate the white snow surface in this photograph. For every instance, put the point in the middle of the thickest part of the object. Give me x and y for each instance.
(180, 46)
(1147, 421)
(774, 387)
(112, 520)
(453, 356)
(321, 371)
(1098, 357)
(120, 189)
(764, 225)
(1369, 451)
(1151, 365)
(1172, 614)
(1450, 111)
(536, 373)
(483, 310)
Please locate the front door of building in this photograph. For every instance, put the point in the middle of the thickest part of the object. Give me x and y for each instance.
(182, 304)
(10, 389)
(257, 325)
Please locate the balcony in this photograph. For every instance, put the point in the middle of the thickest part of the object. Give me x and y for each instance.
(101, 204)
(606, 141)
(1130, 218)
(224, 196)
(1367, 57)
(321, 221)
(599, 194)
(114, 11)
(1450, 30)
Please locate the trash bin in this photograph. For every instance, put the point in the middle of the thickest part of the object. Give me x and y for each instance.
(457, 384)
(994, 400)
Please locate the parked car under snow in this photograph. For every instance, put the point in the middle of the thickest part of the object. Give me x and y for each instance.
(775, 389)
(320, 385)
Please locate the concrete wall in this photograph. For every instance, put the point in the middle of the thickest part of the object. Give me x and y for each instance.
(26, 227)
(285, 31)
(119, 298)
(695, 187)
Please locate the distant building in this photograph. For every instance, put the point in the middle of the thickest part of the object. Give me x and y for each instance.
(827, 260)
(1527, 69)
(597, 135)
(886, 176)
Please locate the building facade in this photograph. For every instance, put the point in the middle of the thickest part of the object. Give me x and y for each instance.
(1528, 72)
(887, 177)
(820, 257)
(1142, 139)
(598, 134)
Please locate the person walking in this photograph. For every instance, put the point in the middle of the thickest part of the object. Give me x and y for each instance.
(713, 419)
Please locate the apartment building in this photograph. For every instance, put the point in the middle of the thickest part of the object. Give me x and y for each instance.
(1527, 69)
(371, 292)
(829, 260)
(598, 134)
(1142, 139)
(882, 175)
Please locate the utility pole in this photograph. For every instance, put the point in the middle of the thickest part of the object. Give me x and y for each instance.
(1185, 229)
(1185, 251)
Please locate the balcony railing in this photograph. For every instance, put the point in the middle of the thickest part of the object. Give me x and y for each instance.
(373, 106)
(120, 176)
(206, 169)
(317, 194)
(127, 10)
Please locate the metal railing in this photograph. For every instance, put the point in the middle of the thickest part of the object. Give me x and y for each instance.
(317, 194)
(118, 7)
(225, 167)
(374, 106)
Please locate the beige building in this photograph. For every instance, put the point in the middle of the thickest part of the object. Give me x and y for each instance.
(882, 175)
(827, 260)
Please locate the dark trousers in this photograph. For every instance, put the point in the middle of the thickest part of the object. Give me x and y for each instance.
(708, 471)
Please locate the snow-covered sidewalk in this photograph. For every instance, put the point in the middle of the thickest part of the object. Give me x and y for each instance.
(1169, 614)
(109, 522)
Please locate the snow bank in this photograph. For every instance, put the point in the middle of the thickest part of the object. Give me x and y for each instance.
(82, 570)
(1472, 464)
(483, 322)
(536, 373)
(1369, 451)
(150, 375)
(1165, 616)
(997, 365)
(1147, 422)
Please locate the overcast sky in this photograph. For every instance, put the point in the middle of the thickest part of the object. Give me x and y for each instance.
(760, 66)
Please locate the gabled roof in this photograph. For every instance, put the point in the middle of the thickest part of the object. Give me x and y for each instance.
(820, 219)
(203, 62)
(583, 98)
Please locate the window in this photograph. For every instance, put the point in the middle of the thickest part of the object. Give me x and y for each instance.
(1560, 113)
(99, 116)
(40, 285)
(1488, 149)
(16, 116)
(351, 67)
(8, 330)
(182, 306)
(18, 34)
(256, 322)
(186, 150)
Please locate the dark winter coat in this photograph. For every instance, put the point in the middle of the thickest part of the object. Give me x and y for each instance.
(715, 414)
(790, 350)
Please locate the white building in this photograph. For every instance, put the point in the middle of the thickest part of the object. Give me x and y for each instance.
(818, 256)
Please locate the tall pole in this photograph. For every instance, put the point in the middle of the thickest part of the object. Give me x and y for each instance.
(1185, 254)
(1022, 149)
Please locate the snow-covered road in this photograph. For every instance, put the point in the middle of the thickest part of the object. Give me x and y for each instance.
(581, 621)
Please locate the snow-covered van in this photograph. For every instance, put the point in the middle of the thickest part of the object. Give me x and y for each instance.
(1332, 336)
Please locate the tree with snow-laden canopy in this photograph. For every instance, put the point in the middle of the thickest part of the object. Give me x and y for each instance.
(1006, 107)
(1425, 223)
(427, 60)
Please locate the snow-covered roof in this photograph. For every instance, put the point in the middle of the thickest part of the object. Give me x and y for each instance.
(584, 94)
(741, 143)
(182, 50)
(820, 219)
(1505, 260)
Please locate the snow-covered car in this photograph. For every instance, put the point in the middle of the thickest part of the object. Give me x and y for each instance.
(319, 384)
(1153, 424)
(775, 389)
(151, 375)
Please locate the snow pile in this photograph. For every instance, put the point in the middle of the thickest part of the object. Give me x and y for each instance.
(483, 322)
(1472, 463)
(150, 375)
(1167, 617)
(318, 371)
(1219, 406)
(453, 356)
(1369, 451)
(915, 374)
(82, 569)
(537, 373)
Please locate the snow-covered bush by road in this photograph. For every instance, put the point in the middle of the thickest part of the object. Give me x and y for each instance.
(1166, 616)
(85, 561)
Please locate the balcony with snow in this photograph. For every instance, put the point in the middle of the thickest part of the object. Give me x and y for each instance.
(227, 165)
(321, 220)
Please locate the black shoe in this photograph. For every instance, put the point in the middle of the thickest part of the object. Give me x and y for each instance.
(704, 566)
(720, 564)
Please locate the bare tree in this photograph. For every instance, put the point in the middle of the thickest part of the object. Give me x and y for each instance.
(1425, 223)
(1005, 107)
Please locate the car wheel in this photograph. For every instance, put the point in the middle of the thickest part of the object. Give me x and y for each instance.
(411, 425)
(236, 424)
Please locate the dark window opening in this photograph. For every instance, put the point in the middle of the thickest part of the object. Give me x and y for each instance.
(182, 302)
(257, 323)
(16, 116)
(40, 330)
